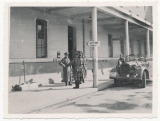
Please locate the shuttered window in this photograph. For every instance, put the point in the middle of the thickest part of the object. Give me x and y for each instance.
(41, 38)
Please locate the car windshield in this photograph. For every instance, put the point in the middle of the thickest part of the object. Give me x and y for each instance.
(133, 57)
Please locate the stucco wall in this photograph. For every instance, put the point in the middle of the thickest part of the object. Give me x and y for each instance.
(23, 34)
(141, 11)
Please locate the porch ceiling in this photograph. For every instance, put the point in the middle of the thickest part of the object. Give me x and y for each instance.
(107, 21)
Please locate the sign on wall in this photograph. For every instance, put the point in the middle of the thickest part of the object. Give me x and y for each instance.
(93, 43)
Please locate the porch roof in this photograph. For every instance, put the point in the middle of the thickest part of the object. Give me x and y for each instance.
(110, 18)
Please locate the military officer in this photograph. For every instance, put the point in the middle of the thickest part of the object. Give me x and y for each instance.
(84, 66)
(121, 60)
(77, 69)
(65, 63)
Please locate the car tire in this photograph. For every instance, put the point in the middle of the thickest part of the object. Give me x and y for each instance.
(144, 80)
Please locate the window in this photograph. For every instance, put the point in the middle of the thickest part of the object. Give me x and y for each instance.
(110, 45)
(41, 38)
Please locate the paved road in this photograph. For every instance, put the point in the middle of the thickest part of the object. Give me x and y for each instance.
(125, 99)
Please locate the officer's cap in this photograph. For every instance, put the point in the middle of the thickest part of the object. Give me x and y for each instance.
(66, 53)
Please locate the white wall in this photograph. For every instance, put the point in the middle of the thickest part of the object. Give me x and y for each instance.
(135, 47)
(23, 35)
(141, 11)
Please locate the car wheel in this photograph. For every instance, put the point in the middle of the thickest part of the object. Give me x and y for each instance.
(144, 80)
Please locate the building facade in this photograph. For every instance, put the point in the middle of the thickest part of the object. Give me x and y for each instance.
(40, 34)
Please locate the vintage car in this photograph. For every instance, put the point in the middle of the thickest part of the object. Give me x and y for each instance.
(134, 69)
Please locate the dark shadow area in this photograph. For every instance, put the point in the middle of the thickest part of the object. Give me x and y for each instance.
(129, 86)
(95, 111)
(114, 106)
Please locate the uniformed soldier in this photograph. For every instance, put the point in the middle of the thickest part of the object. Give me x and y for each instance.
(65, 63)
(121, 60)
(84, 66)
(77, 69)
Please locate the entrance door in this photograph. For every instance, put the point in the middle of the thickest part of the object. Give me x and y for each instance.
(116, 48)
(71, 42)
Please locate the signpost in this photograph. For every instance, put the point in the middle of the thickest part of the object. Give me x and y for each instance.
(22, 67)
(93, 43)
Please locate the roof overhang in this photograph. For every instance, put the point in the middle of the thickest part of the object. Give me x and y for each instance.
(126, 16)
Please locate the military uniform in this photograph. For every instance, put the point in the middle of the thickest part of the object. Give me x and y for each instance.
(77, 69)
(65, 62)
(84, 66)
(121, 60)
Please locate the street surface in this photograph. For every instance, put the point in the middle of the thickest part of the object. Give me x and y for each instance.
(128, 98)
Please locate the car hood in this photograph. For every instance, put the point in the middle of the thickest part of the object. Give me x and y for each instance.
(132, 63)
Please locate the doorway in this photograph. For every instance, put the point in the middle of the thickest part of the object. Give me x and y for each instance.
(71, 42)
(117, 48)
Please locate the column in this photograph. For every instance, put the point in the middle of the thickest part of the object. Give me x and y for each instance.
(83, 29)
(95, 52)
(127, 38)
(147, 44)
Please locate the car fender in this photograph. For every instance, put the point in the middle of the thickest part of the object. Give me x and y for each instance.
(113, 70)
(141, 70)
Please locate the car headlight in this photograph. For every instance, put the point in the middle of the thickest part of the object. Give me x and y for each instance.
(113, 74)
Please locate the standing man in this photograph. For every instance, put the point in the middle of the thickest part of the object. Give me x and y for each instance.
(77, 70)
(121, 60)
(65, 63)
(83, 66)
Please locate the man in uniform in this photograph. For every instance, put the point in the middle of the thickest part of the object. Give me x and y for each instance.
(83, 66)
(121, 60)
(65, 63)
(77, 69)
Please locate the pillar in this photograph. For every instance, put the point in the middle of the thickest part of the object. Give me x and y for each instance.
(95, 50)
(83, 27)
(147, 44)
(127, 38)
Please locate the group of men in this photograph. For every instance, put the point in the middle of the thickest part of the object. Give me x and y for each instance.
(75, 68)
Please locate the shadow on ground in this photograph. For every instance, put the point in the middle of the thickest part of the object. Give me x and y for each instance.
(108, 108)
(130, 86)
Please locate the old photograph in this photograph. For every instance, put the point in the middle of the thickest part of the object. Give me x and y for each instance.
(80, 60)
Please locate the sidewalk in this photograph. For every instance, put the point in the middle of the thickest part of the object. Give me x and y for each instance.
(52, 94)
